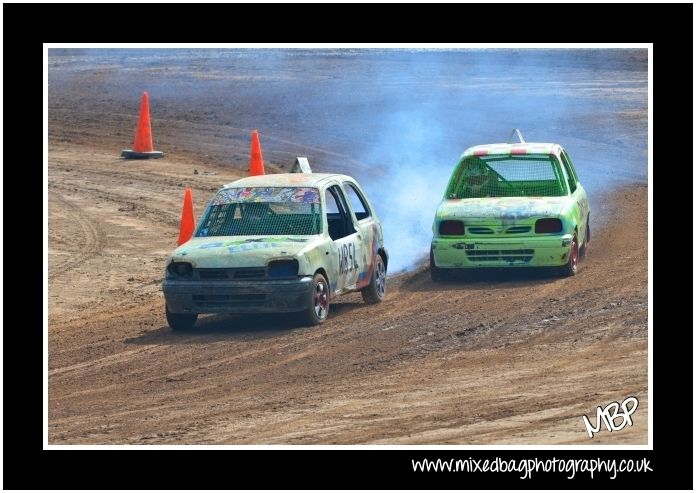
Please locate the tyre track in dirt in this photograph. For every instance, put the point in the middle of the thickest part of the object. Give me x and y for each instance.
(180, 385)
(91, 240)
(128, 176)
(132, 205)
(273, 367)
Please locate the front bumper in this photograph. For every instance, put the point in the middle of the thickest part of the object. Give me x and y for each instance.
(541, 251)
(262, 296)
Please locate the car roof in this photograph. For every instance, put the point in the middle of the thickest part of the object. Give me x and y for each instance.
(315, 180)
(519, 148)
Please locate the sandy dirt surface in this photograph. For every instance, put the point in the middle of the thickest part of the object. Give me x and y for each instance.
(492, 358)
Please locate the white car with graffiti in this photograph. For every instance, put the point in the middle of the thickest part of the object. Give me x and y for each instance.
(278, 243)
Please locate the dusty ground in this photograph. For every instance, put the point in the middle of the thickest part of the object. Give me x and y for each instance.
(491, 359)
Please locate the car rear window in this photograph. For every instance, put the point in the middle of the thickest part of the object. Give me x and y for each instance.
(261, 211)
(527, 175)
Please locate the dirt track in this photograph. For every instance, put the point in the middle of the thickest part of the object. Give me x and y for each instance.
(492, 359)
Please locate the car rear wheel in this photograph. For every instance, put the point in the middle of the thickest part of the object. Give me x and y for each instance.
(180, 321)
(571, 267)
(377, 289)
(436, 274)
(586, 242)
(318, 308)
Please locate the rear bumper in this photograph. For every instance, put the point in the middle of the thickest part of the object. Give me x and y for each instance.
(518, 252)
(263, 296)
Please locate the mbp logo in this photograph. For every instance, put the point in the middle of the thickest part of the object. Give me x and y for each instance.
(610, 413)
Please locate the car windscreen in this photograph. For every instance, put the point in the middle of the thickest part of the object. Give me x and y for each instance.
(259, 211)
(524, 175)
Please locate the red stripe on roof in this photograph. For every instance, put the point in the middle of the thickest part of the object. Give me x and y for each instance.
(517, 150)
(481, 152)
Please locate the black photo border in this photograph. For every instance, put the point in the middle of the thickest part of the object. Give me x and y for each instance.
(671, 459)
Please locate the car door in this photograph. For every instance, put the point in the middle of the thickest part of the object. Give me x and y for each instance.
(578, 195)
(366, 224)
(346, 245)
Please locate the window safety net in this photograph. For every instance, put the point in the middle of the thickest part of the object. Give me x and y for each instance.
(263, 211)
(530, 175)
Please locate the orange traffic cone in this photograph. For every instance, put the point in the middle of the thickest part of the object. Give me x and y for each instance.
(142, 145)
(188, 223)
(256, 160)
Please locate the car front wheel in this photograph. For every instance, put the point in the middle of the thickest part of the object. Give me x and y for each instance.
(180, 321)
(571, 267)
(436, 274)
(318, 308)
(377, 289)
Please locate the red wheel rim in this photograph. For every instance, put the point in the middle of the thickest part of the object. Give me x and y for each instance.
(574, 254)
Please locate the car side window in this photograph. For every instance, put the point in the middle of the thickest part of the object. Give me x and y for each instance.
(331, 204)
(571, 166)
(569, 173)
(337, 215)
(357, 202)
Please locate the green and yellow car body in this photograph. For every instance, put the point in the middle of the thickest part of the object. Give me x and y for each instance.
(266, 264)
(533, 213)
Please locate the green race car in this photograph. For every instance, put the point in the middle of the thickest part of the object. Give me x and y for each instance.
(511, 205)
(278, 243)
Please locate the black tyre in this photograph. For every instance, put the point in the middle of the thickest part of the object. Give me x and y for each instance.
(586, 243)
(318, 308)
(180, 321)
(436, 274)
(377, 289)
(571, 267)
